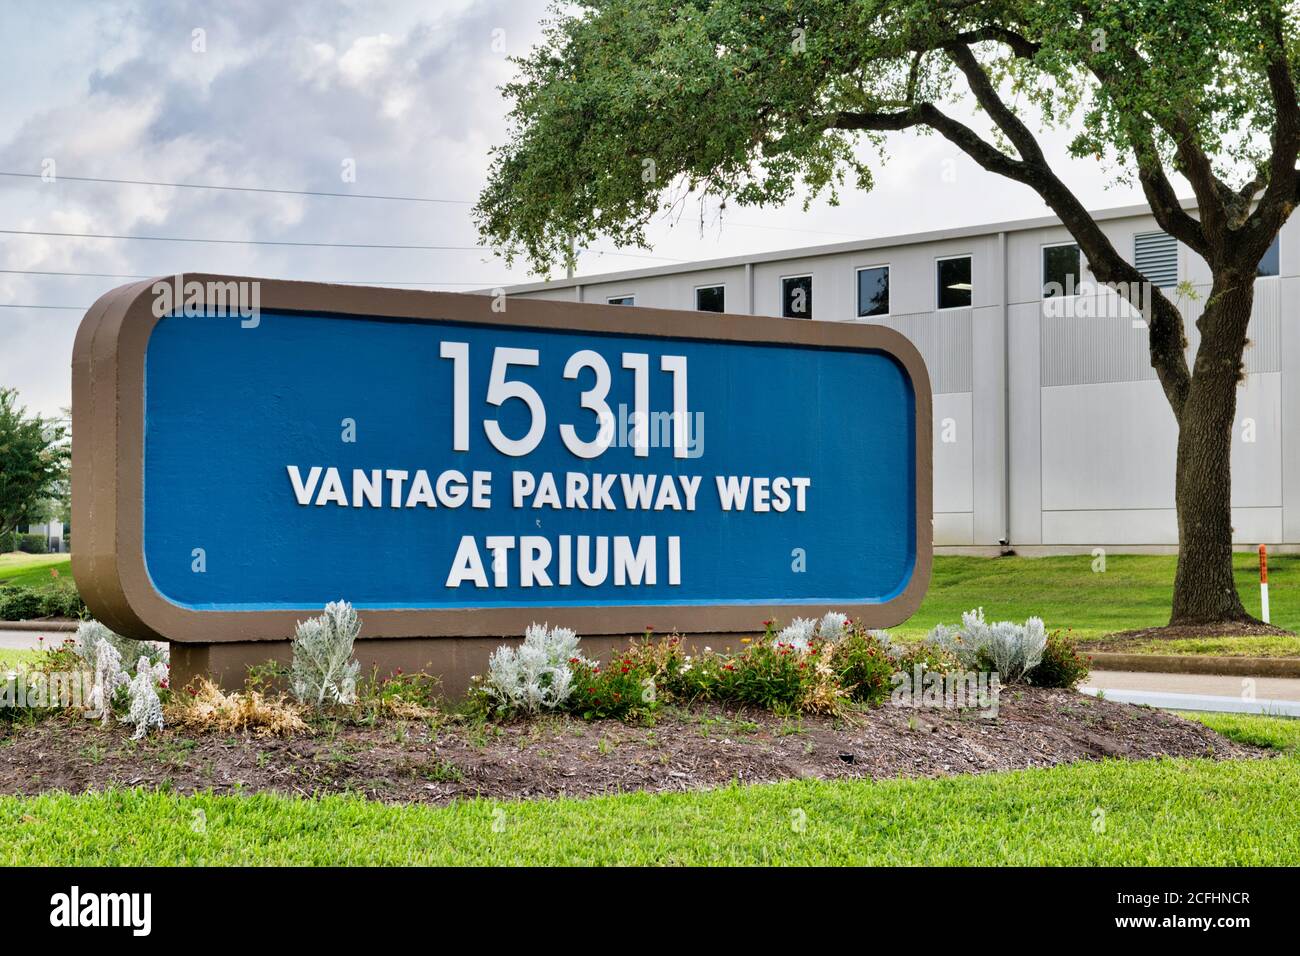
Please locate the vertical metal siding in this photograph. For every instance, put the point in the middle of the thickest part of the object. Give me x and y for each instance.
(944, 340)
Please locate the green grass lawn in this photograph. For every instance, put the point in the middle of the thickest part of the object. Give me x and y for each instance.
(1128, 813)
(1277, 733)
(14, 658)
(33, 570)
(1168, 812)
(1134, 591)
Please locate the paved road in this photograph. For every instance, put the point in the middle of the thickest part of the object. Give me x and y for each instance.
(22, 639)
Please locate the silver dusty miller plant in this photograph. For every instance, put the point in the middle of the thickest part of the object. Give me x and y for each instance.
(535, 676)
(109, 678)
(323, 669)
(1010, 649)
(800, 632)
(104, 653)
(91, 635)
(145, 710)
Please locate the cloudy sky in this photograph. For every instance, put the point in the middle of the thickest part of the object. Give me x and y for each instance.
(289, 96)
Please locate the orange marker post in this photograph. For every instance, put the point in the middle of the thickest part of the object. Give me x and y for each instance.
(1263, 582)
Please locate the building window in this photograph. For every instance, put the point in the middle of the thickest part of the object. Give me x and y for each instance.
(1156, 256)
(796, 297)
(621, 300)
(711, 298)
(873, 291)
(1060, 270)
(954, 282)
(1271, 264)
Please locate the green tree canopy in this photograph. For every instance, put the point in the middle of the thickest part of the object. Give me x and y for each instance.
(749, 100)
(629, 105)
(33, 464)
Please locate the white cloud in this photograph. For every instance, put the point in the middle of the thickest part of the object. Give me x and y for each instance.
(283, 95)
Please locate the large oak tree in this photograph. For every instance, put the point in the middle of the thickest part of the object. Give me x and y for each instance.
(629, 102)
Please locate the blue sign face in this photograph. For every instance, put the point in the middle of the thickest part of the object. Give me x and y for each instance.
(440, 464)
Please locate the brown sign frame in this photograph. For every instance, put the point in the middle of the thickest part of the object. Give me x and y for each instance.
(107, 461)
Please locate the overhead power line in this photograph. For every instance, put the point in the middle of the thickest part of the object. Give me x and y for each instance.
(337, 195)
(15, 305)
(242, 242)
(297, 243)
(486, 284)
(238, 189)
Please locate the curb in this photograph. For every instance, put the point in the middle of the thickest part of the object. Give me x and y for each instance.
(38, 625)
(1194, 664)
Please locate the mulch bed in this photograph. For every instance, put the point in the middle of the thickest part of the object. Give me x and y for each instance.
(685, 749)
(1122, 639)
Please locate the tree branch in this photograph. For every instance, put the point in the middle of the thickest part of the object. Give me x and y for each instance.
(1164, 202)
(1166, 326)
(1280, 194)
(1209, 189)
(988, 98)
(1022, 47)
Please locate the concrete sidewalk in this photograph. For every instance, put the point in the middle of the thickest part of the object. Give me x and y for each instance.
(1273, 688)
(1241, 695)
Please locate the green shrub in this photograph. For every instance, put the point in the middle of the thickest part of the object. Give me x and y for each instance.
(61, 600)
(863, 666)
(20, 604)
(768, 672)
(624, 690)
(33, 544)
(1062, 664)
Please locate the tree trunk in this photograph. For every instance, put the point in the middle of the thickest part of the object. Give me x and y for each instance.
(1204, 590)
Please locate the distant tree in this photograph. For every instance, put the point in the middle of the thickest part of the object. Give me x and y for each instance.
(34, 457)
(630, 103)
